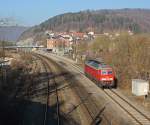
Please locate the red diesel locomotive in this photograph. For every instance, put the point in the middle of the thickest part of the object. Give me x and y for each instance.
(101, 73)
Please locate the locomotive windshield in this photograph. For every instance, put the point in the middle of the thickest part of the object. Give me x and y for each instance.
(110, 72)
(106, 72)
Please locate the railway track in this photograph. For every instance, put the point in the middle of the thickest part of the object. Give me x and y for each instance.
(47, 70)
(138, 117)
(93, 110)
(86, 100)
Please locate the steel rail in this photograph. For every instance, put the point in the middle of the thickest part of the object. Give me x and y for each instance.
(131, 105)
(137, 117)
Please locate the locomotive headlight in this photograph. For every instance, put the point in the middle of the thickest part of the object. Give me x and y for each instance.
(110, 78)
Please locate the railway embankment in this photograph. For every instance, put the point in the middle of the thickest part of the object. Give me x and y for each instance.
(106, 109)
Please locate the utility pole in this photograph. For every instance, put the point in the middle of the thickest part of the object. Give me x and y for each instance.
(74, 48)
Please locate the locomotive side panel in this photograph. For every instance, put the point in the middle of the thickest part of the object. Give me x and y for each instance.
(92, 72)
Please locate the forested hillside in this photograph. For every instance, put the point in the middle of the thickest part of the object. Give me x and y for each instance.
(136, 20)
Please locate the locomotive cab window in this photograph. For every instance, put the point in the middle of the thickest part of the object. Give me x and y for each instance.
(110, 72)
(104, 72)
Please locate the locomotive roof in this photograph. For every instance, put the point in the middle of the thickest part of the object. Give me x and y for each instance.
(97, 64)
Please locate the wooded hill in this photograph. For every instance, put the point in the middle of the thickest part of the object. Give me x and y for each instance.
(136, 20)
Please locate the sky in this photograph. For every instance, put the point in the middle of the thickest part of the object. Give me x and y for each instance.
(33, 12)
